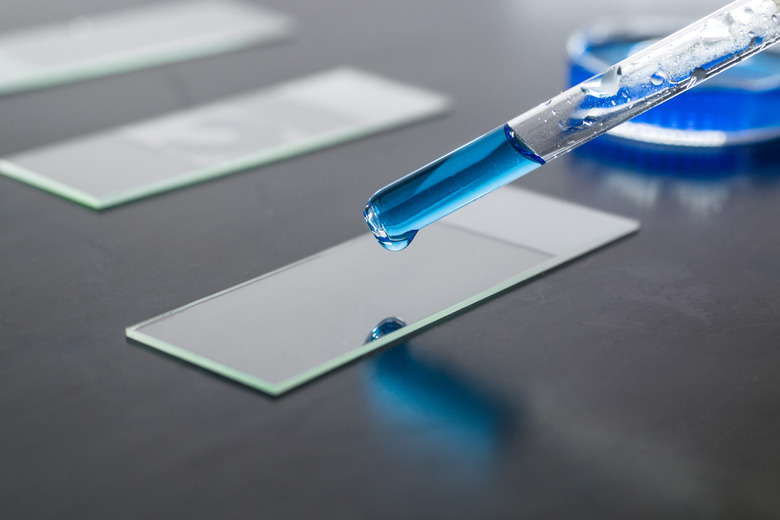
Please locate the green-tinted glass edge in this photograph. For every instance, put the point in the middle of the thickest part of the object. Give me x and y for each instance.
(262, 158)
(631, 226)
(36, 180)
(138, 60)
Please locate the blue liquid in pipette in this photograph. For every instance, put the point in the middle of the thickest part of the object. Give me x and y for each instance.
(395, 213)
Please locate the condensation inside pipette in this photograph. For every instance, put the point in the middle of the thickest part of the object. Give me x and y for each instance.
(649, 77)
(396, 212)
(585, 111)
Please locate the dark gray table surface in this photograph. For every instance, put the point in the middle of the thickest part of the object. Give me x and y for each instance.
(638, 382)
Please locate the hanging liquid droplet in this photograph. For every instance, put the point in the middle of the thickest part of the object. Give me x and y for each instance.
(396, 212)
(389, 242)
(395, 245)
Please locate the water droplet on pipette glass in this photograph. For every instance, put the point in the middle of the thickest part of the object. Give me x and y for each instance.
(774, 18)
(588, 121)
(658, 78)
(604, 86)
(610, 82)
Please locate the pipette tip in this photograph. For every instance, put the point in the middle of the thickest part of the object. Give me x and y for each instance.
(391, 243)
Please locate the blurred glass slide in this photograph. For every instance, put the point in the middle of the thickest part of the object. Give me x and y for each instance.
(175, 150)
(287, 327)
(109, 43)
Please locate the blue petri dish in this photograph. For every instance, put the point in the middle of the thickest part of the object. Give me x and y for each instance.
(739, 106)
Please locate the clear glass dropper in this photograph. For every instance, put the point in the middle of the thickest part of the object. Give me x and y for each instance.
(650, 77)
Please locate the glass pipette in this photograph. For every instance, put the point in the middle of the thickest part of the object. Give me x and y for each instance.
(651, 76)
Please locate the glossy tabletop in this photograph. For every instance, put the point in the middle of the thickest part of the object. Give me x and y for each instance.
(641, 381)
